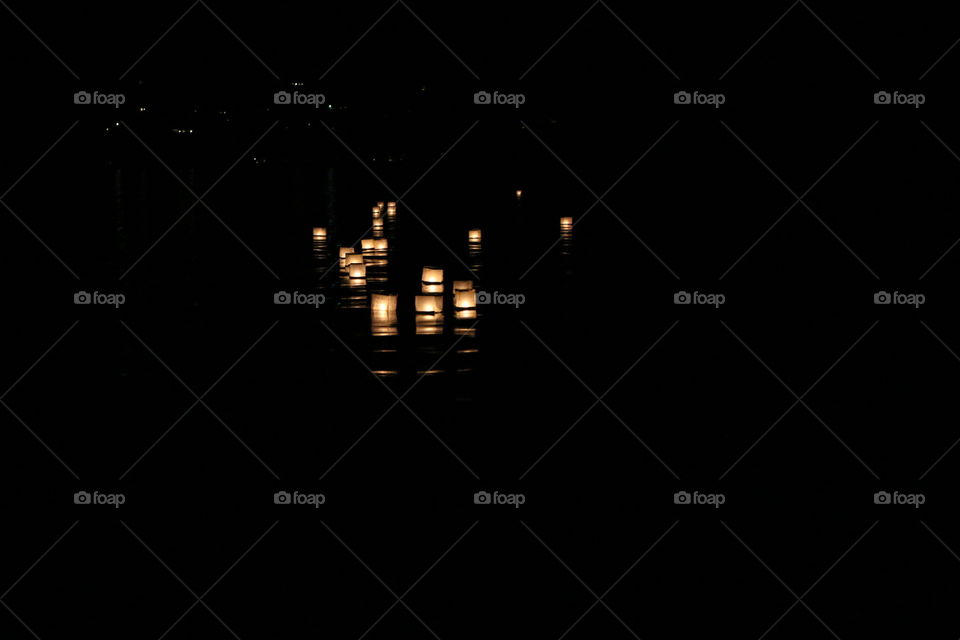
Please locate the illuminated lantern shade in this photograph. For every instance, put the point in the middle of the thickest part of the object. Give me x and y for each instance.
(383, 303)
(352, 259)
(462, 285)
(380, 244)
(432, 288)
(376, 212)
(379, 205)
(367, 244)
(465, 299)
(391, 205)
(429, 304)
(432, 275)
(320, 232)
(377, 224)
(519, 193)
(473, 236)
(358, 270)
(391, 209)
(344, 251)
(566, 224)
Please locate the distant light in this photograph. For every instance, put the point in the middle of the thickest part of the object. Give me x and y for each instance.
(473, 236)
(519, 193)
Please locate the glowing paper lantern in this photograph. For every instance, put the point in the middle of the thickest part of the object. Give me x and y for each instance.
(429, 304)
(367, 244)
(380, 244)
(376, 212)
(432, 275)
(465, 299)
(462, 285)
(391, 205)
(351, 259)
(344, 251)
(358, 270)
(320, 232)
(566, 224)
(519, 193)
(379, 205)
(473, 236)
(383, 303)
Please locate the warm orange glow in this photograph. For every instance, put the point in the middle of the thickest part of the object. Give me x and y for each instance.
(566, 224)
(367, 244)
(431, 288)
(432, 275)
(473, 235)
(462, 285)
(465, 299)
(320, 232)
(465, 314)
(376, 212)
(429, 325)
(519, 193)
(380, 244)
(358, 270)
(344, 251)
(429, 304)
(351, 259)
(382, 303)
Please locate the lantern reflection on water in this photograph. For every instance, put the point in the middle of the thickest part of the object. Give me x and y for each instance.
(429, 304)
(465, 299)
(473, 236)
(320, 233)
(429, 325)
(431, 288)
(462, 285)
(432, 275)
(358, 270)
(465, 314)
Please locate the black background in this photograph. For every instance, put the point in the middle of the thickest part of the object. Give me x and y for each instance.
(711, 405)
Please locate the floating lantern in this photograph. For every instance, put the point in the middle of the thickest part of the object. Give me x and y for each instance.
(367, 244)
(344, 251)
(376, 212)
(465, 299)
(383, 303)
(429, 304)
(432, 275)
(566, 224)
(358, 270)
(473, 236)
(380, 244)
(462, 285)
(391, 205)
(519, 193)
(379, 205)
(351, 259)
(320, 232)
(391, 210)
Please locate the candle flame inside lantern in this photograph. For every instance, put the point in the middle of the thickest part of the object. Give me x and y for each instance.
(428, 304)
(367, 244)
(383, 303)
(380, 244)
(358, 270)
(473, 235)
(432, 275)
